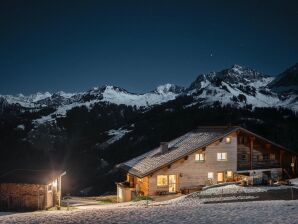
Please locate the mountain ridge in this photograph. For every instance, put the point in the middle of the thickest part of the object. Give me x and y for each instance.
(237, 85)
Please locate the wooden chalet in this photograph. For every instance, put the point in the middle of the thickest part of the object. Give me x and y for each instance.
(30, 189)
(206, 156)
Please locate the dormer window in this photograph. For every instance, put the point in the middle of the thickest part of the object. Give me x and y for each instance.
(200, 157)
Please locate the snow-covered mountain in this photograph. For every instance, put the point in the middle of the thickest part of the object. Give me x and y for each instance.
(286, 82)
(63, 102)
(238, 86)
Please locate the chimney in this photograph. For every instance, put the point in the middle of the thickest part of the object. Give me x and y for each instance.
(164, 147)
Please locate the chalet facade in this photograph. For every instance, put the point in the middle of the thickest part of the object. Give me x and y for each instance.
(205, 156)
(30, 189)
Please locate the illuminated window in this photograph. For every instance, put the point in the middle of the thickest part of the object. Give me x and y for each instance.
(221, 156)
(272, 156)
(228, 140)
(162, 180)
(200, 157)
(55, 183)
(229, 173)
(220, 176)
(210, 175)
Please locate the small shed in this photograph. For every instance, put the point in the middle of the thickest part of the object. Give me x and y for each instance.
(30, 189)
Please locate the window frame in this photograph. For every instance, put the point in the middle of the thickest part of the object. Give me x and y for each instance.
(162, 185)
(272, 156)
(220, 158)
(201, 157)
(260, 157)
(244, 157)
(230, 172)
(266, 157)
(210, 178)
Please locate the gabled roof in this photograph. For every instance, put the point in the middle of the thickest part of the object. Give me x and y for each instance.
(153, 160)
(42, 177)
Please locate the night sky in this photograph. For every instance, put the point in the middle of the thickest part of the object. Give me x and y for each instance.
(75, 45)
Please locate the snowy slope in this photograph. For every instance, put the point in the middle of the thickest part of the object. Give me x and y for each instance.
(238, 86)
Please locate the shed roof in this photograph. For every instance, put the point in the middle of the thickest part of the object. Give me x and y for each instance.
(180, 147)
(41, 177)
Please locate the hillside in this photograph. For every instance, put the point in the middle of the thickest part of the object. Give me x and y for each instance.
(88, 133)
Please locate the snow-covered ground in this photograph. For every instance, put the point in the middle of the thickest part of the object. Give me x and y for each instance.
(183, 212)
(185, 209)
(294, 182)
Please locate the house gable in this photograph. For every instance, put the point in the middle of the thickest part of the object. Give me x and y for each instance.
(190, 172)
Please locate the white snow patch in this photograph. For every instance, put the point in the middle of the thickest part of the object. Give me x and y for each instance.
(294, 181)
(117, 134)
(139, 100)
(21, 127)
(236, 189)
(62, 110)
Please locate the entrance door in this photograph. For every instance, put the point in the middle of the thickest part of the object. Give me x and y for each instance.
(172, 183)
(220, 177)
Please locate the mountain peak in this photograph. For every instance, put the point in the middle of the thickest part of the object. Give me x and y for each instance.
(168, 88)
(237, 68)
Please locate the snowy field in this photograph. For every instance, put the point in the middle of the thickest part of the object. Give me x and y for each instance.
(237, 205)
(183, 211)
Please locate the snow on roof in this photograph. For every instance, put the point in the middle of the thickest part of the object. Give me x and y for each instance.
(178, 148)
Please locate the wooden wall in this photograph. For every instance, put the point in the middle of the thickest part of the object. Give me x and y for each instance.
(143, 184)
(259, 148)
(22, 196)
(191, 173)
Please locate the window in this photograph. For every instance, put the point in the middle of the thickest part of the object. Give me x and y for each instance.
(260, 157)
(266, 156)
(200, 157)
(228, 140)
(221, 156)
(243, 140)
(272, 156)
(210, 175)
(229, 173)
(50, 187)
(220, 177)
(243, 157)
(162, 180)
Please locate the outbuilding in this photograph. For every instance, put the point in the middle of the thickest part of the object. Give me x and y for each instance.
(30, 189)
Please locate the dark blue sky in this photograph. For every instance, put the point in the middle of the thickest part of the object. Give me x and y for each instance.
(75, 45)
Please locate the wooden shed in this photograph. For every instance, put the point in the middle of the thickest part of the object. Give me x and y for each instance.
(30, 189)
